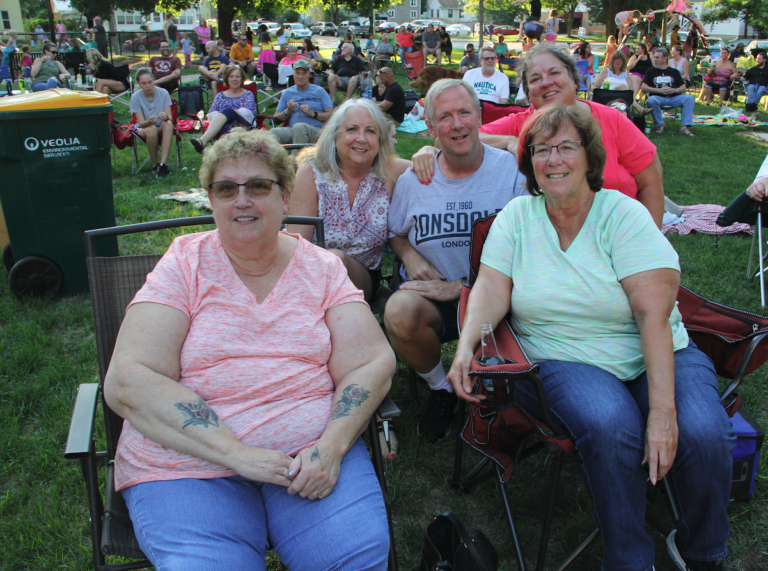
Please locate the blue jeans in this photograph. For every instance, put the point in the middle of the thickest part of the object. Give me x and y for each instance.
(43, 85)
(402, 57)
(755, 93)
(607, 419)
(685, 101)
(228, 523)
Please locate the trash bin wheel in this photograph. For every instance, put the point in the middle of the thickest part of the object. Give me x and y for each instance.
(8, 260)
(35, 277)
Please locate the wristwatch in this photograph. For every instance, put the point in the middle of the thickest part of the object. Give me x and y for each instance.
(315, 117)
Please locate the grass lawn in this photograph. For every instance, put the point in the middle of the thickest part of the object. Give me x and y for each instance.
(48, 350)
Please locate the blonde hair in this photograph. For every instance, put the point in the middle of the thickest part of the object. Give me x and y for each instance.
(254, 143)
(94, 58)
(325, 156)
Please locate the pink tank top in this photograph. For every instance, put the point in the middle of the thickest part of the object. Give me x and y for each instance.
(359, 231)
(722, 75)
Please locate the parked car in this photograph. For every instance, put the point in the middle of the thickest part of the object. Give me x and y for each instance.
(458, 30)
(756, 45)
(387, 27)
(505, 31)
(357, 28)
(714, 45)
(325, 29)
(144, 41)
(296, 30)
(683, 37)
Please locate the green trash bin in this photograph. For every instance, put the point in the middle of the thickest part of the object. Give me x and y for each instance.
(56, 183)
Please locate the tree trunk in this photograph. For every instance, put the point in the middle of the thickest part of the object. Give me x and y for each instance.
(481, 13)
(225, 23)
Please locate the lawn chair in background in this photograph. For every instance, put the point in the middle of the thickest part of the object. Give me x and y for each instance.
(736, 341)
(490, 111)
(582, 66)
(414, 61)
(744, 209)
(113, 284)
(138, 141)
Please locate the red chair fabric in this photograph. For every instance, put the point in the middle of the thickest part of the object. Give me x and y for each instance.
(416, 61)
(494, 111)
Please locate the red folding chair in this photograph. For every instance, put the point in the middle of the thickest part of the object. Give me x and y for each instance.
(734, 339)
(414, 61)
(135, 166)
(493, 111)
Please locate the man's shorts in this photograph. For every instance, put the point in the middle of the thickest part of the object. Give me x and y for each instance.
(449, 318)
(345, 81)
(172, 44)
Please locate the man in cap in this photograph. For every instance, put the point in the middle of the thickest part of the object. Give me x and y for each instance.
(305, 106)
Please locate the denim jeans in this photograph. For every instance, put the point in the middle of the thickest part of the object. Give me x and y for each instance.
(607, 419)
(52, 83)
(755, 93)
(685, 101)
(402, 57)
(228, 523)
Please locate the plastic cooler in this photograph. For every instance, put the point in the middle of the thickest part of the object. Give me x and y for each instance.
(56, 183)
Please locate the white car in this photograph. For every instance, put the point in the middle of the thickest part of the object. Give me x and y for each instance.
(295, 30)
(458, 30)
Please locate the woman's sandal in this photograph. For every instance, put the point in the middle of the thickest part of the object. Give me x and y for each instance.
(198, 144)
(660, 130)
(686, 131)
(646, 111)
(386, 429)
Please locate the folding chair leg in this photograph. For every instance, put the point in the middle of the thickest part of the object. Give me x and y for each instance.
(378, 468)
(760, 255)
(557, 466)
(511, 522)
(95, 504)
(751, 254)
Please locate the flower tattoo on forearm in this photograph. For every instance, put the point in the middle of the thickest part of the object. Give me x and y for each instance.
(199, 414)
(351, 397)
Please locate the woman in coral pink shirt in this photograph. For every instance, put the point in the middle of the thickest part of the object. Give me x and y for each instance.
(246, 369)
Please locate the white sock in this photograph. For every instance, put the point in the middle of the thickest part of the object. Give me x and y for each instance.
(437, 379)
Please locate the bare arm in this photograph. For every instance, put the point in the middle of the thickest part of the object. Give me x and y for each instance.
(650, 189)
(424, 158)
(361, 366)
(417, 266)
(600, 78)
(384, 105)
(489, 301)
(142, 385)
(304, 200)
(36, 65)
(652, 297)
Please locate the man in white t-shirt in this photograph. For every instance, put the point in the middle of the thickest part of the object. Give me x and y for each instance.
(429, 230)
(489, 83)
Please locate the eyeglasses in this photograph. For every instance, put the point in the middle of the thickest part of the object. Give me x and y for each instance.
(226, 190)
(53, 51)
(566, 150)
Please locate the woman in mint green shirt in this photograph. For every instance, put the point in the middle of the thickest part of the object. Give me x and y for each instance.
(593, 303)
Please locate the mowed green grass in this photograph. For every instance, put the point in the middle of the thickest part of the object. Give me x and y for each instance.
(48, 350)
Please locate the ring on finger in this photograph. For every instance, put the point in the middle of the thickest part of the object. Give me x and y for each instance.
(318, 494)
(285, 473)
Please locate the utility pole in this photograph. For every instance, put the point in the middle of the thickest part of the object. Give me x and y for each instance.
(482, 25)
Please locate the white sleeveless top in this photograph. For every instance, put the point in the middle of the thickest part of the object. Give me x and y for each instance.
(616, 81)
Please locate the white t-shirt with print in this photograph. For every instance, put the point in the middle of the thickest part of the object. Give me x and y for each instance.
(493, 89)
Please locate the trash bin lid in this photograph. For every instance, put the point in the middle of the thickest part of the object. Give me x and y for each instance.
(53, 99)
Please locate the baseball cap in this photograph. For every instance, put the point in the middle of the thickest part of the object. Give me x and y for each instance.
(301, 63)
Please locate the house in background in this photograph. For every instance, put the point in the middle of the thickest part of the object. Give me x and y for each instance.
(404, 12)
(450, 11)
(10, 16)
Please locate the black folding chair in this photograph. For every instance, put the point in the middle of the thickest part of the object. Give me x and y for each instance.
(114, 282)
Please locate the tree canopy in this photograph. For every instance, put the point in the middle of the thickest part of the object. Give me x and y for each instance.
(753, 12)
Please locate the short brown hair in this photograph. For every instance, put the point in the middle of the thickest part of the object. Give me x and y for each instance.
(254, 143)
(229, 70)
(558, 52)
(545, 124)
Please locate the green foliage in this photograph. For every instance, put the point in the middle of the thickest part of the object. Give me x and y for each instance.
(291, 16)
(753, 12)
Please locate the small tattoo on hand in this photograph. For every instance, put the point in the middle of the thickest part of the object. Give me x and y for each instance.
(351, 397)
(199, 414)
(315, 455)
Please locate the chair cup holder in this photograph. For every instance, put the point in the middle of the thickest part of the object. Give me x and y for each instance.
(498, 391)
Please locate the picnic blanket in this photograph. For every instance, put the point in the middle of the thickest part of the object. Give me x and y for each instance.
(195, 196)
(701, 218)
(413, 126)
(184, 125)
(720, 121)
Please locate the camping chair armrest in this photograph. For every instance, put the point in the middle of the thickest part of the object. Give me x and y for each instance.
(744, 365)
(388, 409)
(81, 424)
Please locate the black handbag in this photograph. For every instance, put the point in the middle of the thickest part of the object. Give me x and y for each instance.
(449, 545)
